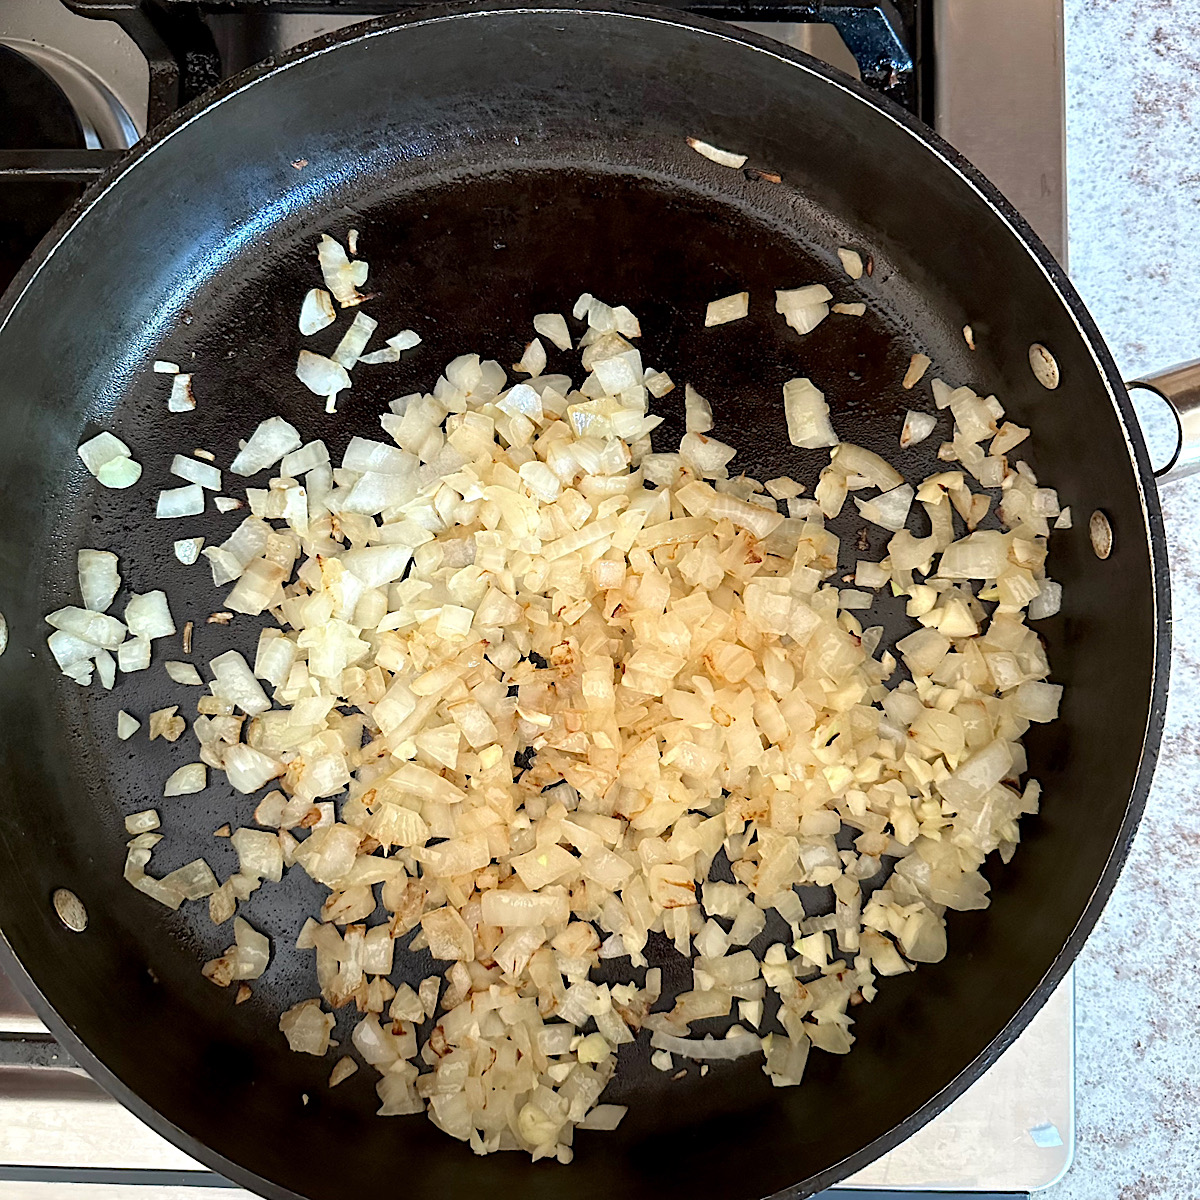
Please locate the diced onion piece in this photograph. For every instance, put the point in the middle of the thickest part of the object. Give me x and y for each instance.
(533, 360)
(807, 414)
(119, 473)
(917, 367)
(149, 615)
(235, 682)
(187, 501)
(307, 458)
(698, 417)
(107, 458)
(342, 1070)
(196, 472)
(134, 654)
(183, 672)
(1044, 366)
(316, 312)
(142, 822)
(259, 853)
(889, 509)
(99, 580)
(127, 726)
(103, 448)
(724, 158)
(804, 308)
(322, 376)
(248, 769)
(182, 398)
(162, 367)
(187, 550)
(406, 339)
(855, 309)
(98, 630)
(307, 1027)
(273, 438)
(730, 308)
(342, 277)
(852, 262)
(187, 780)
(708, 1048)
(917, 427)
(349, 349)
(553, 327)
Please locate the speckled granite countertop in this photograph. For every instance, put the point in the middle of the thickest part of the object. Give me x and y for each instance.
(1133, 87)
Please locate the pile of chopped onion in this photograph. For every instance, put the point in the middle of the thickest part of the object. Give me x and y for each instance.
(548, 696)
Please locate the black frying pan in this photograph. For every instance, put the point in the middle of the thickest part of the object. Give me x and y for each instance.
(497, 163)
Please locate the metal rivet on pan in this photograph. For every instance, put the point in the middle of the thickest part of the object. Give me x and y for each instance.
(70, 910)
(1101, 534)
(1045, 366)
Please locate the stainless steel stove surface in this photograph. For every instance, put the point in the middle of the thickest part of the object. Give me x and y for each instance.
(990, 75)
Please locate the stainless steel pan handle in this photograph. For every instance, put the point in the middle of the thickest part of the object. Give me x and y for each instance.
(1180, 388)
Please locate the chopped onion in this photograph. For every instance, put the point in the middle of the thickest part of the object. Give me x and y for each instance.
(134, 654)
(182, 672)
(127, 726)
(708, 1047)
(807, 414)
(342, 1070)
(187, 550)
(917, 367)
(149, 615)
(349, 349)
(804, 308)
(517, 657)
(342, 277)
(267, 445)
(852, 262)
(917, 427)
(196, 472)
(187, 781)
(854, 309)
(182, 398)
(107, 458)
(99, 580)
(316, 312)
(161, 367)
(406, 339)
(553, 327)
(96, 629)
(724, 158)
(731, 308)
(890, 509)
(322, 376)
(185, 501)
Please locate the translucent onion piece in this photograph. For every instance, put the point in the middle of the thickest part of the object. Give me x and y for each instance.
(852, 262)
(187, 780)
(99, 580)
(807, 415)
(724, 158)
(731, 308)
(316, 312)
(182, 398)
(180, 502)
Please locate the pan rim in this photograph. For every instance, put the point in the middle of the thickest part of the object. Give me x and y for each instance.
(1029, 242)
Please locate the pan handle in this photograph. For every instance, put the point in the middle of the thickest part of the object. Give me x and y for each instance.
(1180, 388)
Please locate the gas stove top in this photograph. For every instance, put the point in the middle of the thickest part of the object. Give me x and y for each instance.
(81, 80)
